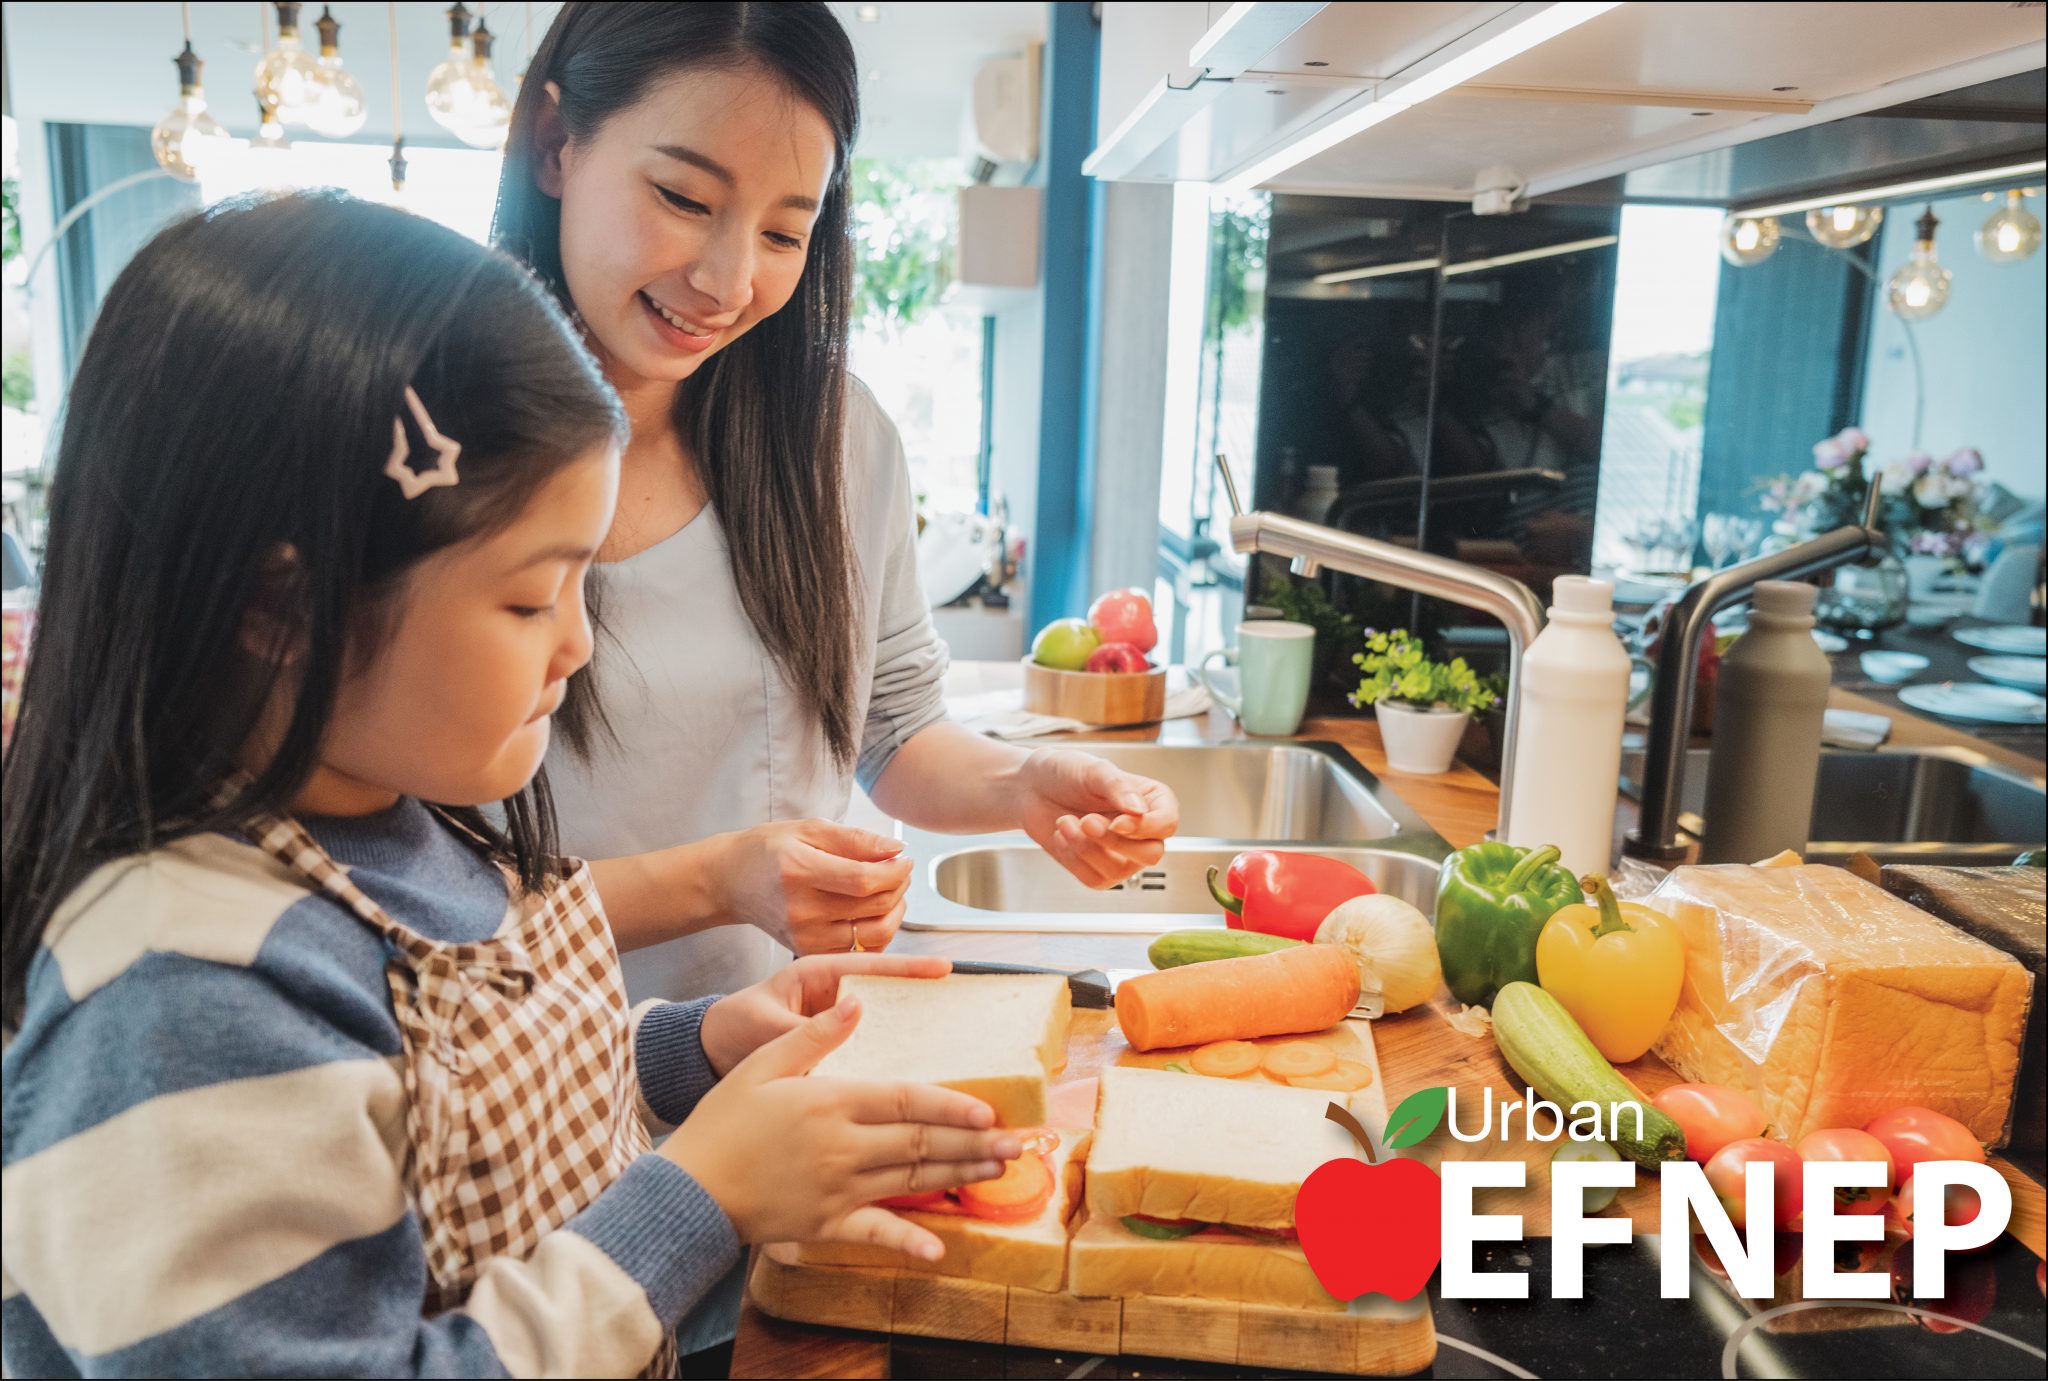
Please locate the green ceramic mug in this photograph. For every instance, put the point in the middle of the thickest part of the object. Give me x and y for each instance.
(1273, 658)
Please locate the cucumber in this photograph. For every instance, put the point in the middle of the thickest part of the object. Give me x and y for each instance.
(1546, 1047)
(1177, 947)
(1163, 1232)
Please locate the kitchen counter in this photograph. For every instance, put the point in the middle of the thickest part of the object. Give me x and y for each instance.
(1622, 1327)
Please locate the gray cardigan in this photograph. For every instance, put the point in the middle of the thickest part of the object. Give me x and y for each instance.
(710, 736)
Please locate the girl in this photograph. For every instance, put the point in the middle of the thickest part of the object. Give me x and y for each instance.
(306, 1075)
(678, 175)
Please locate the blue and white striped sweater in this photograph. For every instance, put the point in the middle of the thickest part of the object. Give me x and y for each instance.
(204, 1139)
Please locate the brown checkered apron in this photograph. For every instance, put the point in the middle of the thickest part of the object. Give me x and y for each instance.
(519, 1080)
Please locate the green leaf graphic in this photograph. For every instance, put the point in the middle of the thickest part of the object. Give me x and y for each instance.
(1419, 1114)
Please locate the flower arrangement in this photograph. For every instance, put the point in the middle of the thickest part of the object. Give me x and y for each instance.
(1927, 507)
(1397, 669)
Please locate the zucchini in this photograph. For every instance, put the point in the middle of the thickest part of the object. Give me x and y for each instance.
(1545, 1046)
(1177, 947)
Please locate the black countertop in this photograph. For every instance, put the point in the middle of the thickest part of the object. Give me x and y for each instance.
(1623, 1327)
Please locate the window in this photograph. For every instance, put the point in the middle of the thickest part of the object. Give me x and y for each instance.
(456, 187)
(1667, 279)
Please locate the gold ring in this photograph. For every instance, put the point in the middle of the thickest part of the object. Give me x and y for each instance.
(855, 948)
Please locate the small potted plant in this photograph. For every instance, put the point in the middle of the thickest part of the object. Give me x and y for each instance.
(1423, 705)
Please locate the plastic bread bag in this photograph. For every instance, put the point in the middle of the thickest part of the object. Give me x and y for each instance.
(1828, 1001)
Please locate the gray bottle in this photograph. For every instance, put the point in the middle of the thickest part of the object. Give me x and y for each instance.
(1768, 708)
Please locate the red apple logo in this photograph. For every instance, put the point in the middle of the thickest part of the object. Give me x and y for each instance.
(1375, 1225)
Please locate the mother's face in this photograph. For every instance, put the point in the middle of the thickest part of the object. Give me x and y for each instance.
(686, 218)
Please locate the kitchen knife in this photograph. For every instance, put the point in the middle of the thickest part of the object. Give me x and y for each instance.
(1089, 987)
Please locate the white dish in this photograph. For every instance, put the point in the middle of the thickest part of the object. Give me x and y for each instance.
(1975, 700)
(2016, 639)
(1893, 667)
(2028, 673)
(952, 552)
(1830, 643)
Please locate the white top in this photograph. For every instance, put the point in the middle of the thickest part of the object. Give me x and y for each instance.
(709, 735)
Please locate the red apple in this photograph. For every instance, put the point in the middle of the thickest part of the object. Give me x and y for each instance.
(1371, 1227)
(1727, 1175)
(1118, 657)
(1125, 616)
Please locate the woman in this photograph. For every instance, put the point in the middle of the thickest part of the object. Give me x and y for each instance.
(678, 174)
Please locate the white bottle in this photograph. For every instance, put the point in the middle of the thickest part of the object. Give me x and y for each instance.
(1568, 739)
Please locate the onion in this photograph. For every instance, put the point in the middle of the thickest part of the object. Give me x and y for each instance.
(1393, 946)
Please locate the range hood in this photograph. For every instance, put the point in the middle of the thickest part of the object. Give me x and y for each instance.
(1613, 91)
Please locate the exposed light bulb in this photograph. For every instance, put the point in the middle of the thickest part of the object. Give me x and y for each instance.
(188, 135)
(2011, 234)
(1748, 240)
(463, 95)
(339, 111)
(270, 136)
(1920, 288)
(1842, 227)
(288, 79)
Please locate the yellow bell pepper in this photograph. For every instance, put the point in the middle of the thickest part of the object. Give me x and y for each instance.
(1615, 966)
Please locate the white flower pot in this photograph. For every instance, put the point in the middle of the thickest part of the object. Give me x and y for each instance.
(1420, 741)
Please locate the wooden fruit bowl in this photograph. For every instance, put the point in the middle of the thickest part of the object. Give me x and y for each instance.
(1096, 697)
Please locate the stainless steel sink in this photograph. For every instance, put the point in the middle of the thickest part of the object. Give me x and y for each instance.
(1925, 805)
(1233, 796)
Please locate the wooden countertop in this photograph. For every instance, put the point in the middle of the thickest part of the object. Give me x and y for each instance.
(1415, 1050)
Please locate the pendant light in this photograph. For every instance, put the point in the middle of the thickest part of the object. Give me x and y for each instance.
(2012, 233)
(340, 111)
(1920, 288)
(1843, 227)
(270, 136)
(1748, 240)
(494, 120)
(288, 80)
(188, 134)
(397, 159)
(462, 96)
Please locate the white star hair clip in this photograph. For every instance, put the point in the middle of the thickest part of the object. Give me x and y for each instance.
(417, 482)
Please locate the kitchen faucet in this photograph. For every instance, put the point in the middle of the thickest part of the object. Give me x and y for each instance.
(1656, 836)
(1312, 546)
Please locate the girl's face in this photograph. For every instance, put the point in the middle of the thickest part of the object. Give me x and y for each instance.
(686, 219)
(452, 705)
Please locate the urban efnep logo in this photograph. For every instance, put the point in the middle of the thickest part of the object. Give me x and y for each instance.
(1384, 1224)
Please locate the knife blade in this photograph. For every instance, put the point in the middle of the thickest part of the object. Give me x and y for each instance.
(1088, 987)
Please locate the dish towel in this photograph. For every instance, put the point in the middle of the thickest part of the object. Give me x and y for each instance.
(1854, 729)
(1001, 714)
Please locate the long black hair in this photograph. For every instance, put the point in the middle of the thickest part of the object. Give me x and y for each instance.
(764, 416)
(225, 441)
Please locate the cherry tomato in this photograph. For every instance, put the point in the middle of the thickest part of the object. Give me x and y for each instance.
(1725, 1173)
(1972, 1291)
(1711, 1117)
(1848, 1144)
(1916, 1134)
(1961, 1204)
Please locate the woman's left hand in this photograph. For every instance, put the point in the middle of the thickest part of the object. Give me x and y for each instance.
(1103, 824)
(737, 1025)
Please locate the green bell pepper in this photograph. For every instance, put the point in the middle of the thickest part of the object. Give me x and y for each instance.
(1491, 902)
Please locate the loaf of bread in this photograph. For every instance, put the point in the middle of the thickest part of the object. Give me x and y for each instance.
(1828, 1001)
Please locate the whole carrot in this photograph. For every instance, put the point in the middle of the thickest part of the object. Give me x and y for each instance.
(1307, 988)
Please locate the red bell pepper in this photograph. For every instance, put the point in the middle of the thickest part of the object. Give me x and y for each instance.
(1286, 894)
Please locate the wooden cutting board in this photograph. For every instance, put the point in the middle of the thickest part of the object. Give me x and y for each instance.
(1377, 1337)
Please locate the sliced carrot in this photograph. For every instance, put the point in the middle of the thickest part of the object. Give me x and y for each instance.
(1348, 1077)
(1299, 1060)
(1226, 1059)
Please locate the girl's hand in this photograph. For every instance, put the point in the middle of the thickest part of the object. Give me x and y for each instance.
(814, 885)
(1101, 823)
(792, 1159)
(736, 1026)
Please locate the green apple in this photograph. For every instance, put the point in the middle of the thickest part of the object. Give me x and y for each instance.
(1065, 644)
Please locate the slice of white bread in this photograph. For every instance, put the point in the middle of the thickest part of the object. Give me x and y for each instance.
(1032, 1254)
(1107, 1259)
(1172, 1145)
(995, 1036)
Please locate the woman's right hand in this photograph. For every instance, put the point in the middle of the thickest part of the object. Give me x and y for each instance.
(792, 1159)
(815, 885)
